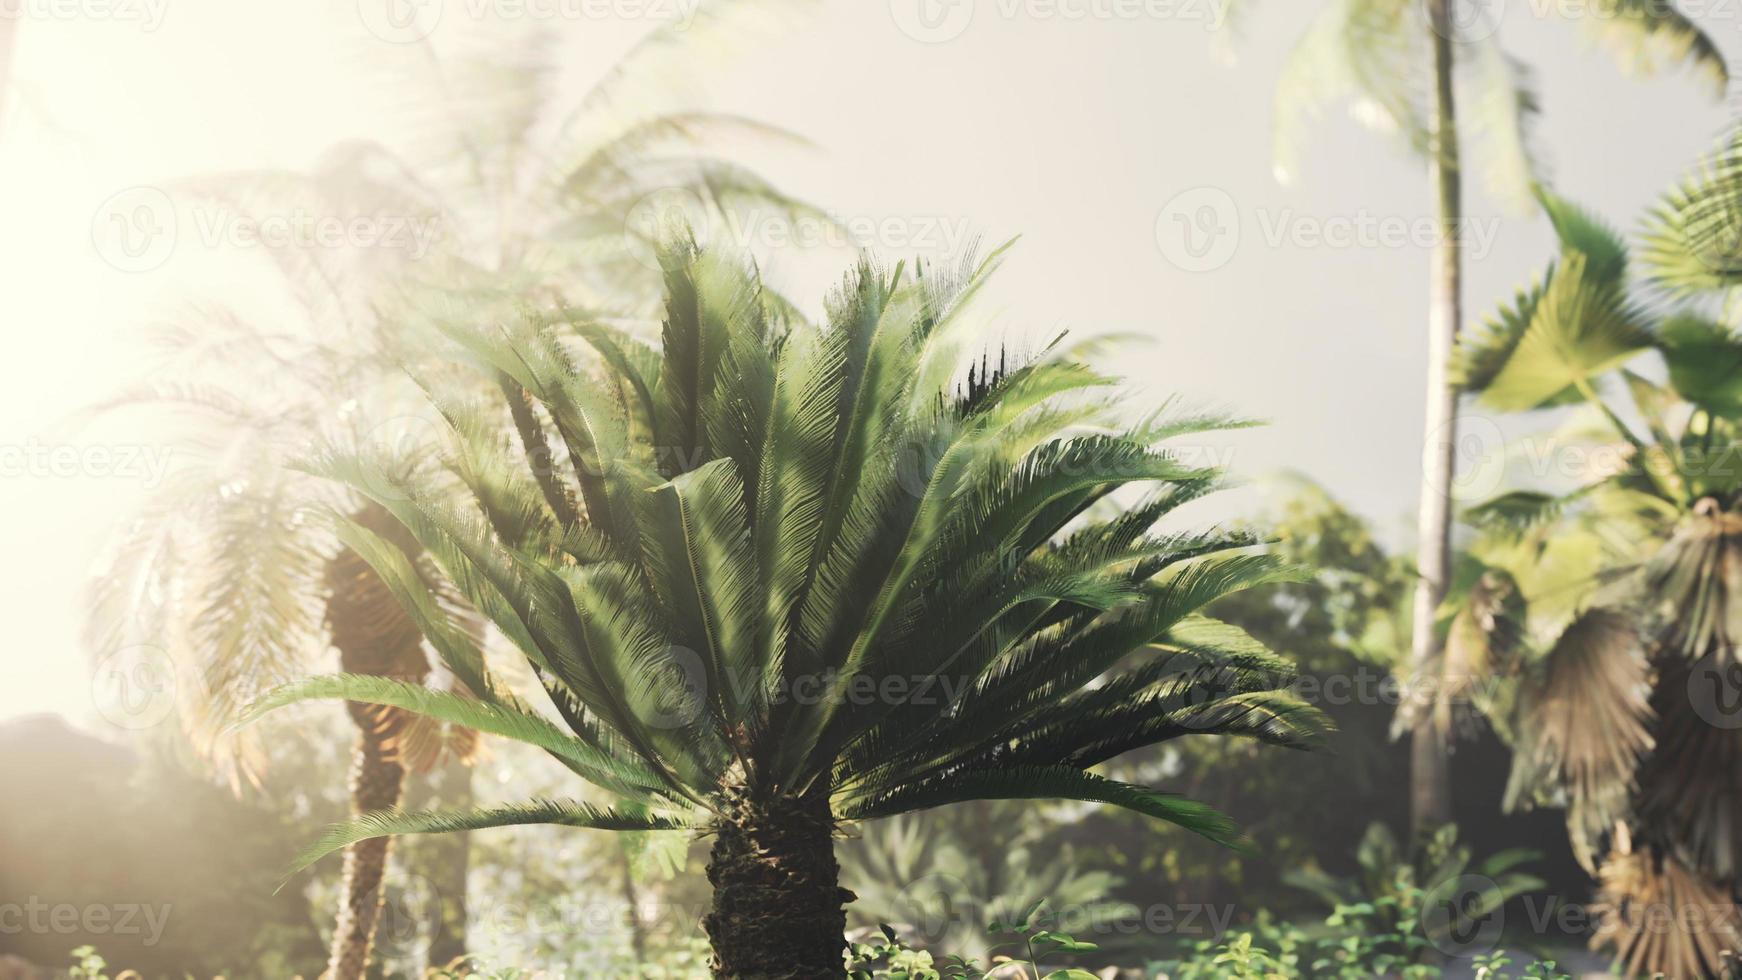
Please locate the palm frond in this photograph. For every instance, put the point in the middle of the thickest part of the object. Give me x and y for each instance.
(1583, 727)
(1693, 236)
(563, 813)
(1056, 782)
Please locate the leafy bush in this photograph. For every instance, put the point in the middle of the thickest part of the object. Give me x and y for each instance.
(1287, 952)
(1397, 896)
(892, 959)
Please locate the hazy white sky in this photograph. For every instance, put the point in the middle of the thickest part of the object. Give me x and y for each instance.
(1091, 136)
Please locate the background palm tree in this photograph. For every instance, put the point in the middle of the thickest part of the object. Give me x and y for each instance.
(225, 570)
(758, 522)
(1614, 631)
(1406, 67)
(535, 195)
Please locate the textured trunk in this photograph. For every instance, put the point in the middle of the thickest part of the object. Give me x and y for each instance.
(373, 636)
(632, 898)
(1430, 784)
(376, 780)
(778, 906)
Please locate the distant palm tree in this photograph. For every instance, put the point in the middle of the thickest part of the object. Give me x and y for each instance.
(1612, 604)
(788, 576)
(534, 195)
(1398, 62)
(224, 569)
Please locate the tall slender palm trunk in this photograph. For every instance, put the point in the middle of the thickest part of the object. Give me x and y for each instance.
(632, 899)
(1430, 783)
(778, 906)
(374, 636)
(376, 781)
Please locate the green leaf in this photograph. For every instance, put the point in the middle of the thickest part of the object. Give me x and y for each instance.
(393, 823)
(507, 719)
(1052, 782)
(1582, 327)
(1705, 362)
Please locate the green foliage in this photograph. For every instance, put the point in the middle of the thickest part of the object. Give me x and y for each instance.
(88, 964)
(940, 876)
(537, 188)
(1343, 627)
(1623, 568)
(1574, 325)
(1280, 951)
(1026, 941)
(684, 961)
(1390, 896)
(1691, 241)
(758, 517)
(1355, 942)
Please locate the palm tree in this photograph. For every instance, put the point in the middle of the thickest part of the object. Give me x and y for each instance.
(534, 191)
(787, 577)
(1398, 63)
(1618, 638)
(224, 569)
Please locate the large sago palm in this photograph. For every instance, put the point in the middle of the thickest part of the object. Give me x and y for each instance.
(774, 578)
(524, 185)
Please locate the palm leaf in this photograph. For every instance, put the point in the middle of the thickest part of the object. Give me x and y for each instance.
(395, 823)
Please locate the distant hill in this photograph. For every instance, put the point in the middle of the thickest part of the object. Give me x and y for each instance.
(162, 872)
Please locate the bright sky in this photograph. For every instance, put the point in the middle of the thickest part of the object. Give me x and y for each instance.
(1086, 135)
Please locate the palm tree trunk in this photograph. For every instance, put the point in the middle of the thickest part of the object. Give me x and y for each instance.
(632, 898)
(778, 906)
(374, 636)
(1430, 784)
(376, 781)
